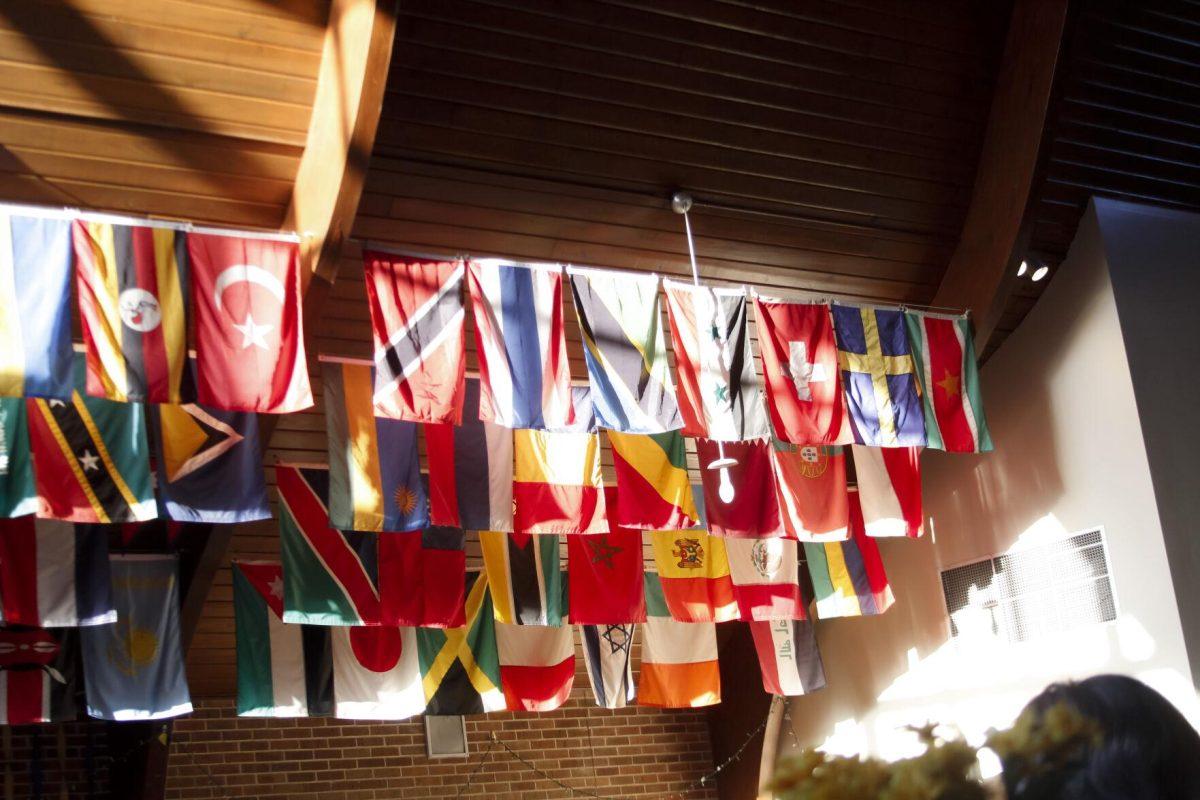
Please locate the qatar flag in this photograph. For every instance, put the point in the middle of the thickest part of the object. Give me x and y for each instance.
(249, 332)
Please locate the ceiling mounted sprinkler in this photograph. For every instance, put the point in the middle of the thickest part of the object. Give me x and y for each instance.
(681, 202)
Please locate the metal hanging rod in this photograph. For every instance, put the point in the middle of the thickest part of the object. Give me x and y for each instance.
(67, 212)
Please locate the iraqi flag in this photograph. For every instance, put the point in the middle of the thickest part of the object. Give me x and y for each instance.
(739, 497)
(54, 574)
(679, 659)
(766, 578)
(944, 351)
(39, 675)
(810, 482)
(889, 488)
(283, 670)
(537, 665)
(605, 578)
(376, 673)
(421, 577)
(557, 483)
(249, 326)
(788, 656)
(608, 654)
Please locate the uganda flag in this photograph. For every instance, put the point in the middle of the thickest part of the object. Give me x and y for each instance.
(460, 667)
(653, 492)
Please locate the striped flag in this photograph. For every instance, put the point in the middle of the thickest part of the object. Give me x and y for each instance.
(133, 302)
(693, 569)
(376, 673)
(721, 397)
(420, 342)
(54, 574)
(848, 578)
(810, 482)
(889, 488)
(521, 345)
(766, 578)
(949, 374)
(557, 483)
(679, 659)
(460, 667)
(788, 656)
(35, 308)
(607, 652)
(537, 665)
(653, 491)
(39, 675)
(18, 492)
(625, 351)
(525, 577)
(421, 577)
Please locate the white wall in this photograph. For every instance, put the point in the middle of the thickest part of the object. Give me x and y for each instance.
(1070, 456)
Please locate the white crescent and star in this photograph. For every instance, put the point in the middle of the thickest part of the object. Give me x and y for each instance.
(253, 333)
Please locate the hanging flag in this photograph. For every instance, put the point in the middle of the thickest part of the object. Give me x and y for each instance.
(693, 569)
(625, 350)
(537, 665)
(90, 459)
(208, 464)
(880, 377)
(376, 673)
(525, 578)
(739, 499)
(721, 395)
(607, 651)
(133, 304)
(848, 578)
(39, 675)
(420, 344)
(605, 578)
(582, 412)
(766, 578)
(889, 489)
(800, 366)
(653, 492)
(460, 667)
(18, 493)
(330, 577)
(35, 310)
(133, 668)
(521, 345)
(374, 468)
(421, 577)
(249, 329)
(679, 659)
(788, 656)
(810, 483)
(54, 574)
(470, 470)
(946, 366)
(557, 483)
(282, 670)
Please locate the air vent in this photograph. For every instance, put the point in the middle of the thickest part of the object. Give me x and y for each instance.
(1034, 592)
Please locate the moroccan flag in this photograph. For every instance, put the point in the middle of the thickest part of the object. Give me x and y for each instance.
(460, 667)
(800, 365)
(420, 342)
(607, 652)
(421, 577)
(374, 468)
(878, 371)
(35, 308)
(537, 665)
(739, 499)
(249, 329)
(889, 489)
(18, 492)
(721, 397)
(605, 578)
(282, 670)
(766, 578)
(848, 578)
(54, 574)
(625, 350)
(39, 675)
(133, 303)
(376, 673)
(521, 345)
(557, 483)
(693, 569)
(209, 464)
(524, 574)
(679, 659)
(330, 577)
(953, 403)
(653, 491)
(470, 470)
(91, 459)
(810, 482)
(788, 656)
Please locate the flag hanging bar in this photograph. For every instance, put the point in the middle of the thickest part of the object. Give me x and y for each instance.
(67, 212)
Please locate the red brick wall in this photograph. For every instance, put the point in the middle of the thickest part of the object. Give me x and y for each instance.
(33, 757)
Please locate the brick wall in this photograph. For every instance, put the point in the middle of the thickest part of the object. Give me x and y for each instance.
(55, 761)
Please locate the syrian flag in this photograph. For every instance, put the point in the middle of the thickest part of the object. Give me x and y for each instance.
(376, 673)
(54, 574)
(788, 655)
(537, 665)
(889, 488)
(38, 675)
(607, 652)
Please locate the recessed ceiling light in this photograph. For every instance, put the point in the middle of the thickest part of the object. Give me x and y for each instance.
(1021, 270)
(1039, 273)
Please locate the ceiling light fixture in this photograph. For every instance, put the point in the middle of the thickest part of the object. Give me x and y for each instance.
(1021, 270)
(1039, 273)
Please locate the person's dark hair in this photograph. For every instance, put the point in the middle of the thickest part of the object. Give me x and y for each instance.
(1147, 750)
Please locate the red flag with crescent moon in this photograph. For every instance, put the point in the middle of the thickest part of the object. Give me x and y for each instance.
(249, 336)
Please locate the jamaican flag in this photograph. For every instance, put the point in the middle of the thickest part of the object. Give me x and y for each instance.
(460, 667)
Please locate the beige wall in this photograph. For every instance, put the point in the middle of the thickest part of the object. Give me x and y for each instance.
(1069, 456)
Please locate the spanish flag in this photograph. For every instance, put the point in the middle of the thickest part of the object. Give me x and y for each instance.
(653, 492)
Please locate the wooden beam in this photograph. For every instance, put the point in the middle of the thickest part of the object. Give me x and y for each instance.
(991, 237)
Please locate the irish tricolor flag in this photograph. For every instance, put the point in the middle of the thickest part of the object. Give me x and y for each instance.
(679, 659)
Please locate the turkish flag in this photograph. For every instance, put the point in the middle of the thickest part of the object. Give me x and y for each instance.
(249, 336)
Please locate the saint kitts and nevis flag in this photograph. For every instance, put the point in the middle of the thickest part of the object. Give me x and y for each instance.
(54, 574)
(460, 667)
(39, 675)
(693, 569)
(525, 577)
(679, 659)
(653, 492)
(949, 376)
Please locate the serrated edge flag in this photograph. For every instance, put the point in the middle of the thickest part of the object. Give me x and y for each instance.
(625, 350)
(460, 667)
(537, 665)
(848, 578)
(754, 508)
(54, 574)
(810, 481)
(18, 492)
(421, 577)
(39, 675)
(525, 577)
(766, 578)
(949, 374)
(679, 659)
(376, 673)
(889, 490)
(653, 490)
(608, 655)
(557, 483)
(720, 393)
(788, 657)
(693, 568)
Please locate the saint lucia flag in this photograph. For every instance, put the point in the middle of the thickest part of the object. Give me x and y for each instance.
(18, 495)
(460, 667)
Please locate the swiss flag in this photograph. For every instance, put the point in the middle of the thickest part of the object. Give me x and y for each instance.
(249, 337)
